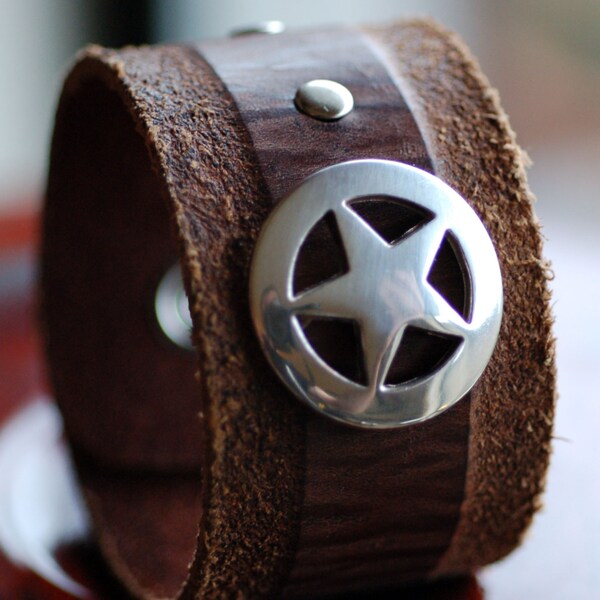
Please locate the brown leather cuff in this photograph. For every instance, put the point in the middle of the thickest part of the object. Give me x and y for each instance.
(205, 478)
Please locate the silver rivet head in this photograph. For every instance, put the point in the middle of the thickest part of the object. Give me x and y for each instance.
(324, 100)
(386, 299)
(264, 27)
(172, 309)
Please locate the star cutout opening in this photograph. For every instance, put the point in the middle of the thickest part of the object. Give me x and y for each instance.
(337, 342)
(321, 257)
(420, 353)
(392, 219)
(450, 276)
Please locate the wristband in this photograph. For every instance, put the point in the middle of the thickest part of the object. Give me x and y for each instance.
(204, 474)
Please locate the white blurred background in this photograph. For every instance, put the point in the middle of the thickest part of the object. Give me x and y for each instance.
(543, 55)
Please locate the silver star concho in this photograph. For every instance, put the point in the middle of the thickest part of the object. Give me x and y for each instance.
(385, 291)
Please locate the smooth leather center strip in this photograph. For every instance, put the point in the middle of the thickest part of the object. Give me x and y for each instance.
(380, 507)
(262, 73)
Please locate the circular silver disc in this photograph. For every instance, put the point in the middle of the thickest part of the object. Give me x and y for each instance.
(385, 291)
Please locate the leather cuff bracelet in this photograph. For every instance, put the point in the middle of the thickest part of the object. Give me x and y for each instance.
(400, 222)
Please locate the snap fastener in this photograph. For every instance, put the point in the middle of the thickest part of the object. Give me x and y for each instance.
(385, 291)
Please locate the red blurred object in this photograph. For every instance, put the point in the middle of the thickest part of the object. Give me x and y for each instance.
(20, 373)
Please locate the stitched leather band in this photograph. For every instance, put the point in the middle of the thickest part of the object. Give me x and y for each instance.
(287, 502)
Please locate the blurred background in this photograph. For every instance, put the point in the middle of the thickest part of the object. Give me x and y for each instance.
(543, 56)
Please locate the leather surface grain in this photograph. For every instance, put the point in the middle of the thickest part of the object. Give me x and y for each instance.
(199, 159)
(474, 149)
(370, 498)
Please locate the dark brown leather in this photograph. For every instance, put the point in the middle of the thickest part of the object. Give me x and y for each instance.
(152, 150)
(367, 495)
(262, 73)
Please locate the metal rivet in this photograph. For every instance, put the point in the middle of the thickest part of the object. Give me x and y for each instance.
(172, 309)
(385, 291)
(324, 99)
(268, 27)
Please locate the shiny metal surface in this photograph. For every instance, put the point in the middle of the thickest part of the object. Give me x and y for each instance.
(324, 100)
(265, 27)
(385, 290)
(172, 309)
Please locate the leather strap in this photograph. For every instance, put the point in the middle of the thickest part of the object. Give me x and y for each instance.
(358, 521)
(288, 503)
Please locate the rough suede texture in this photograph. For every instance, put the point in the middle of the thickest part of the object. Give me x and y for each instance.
(512, 407)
